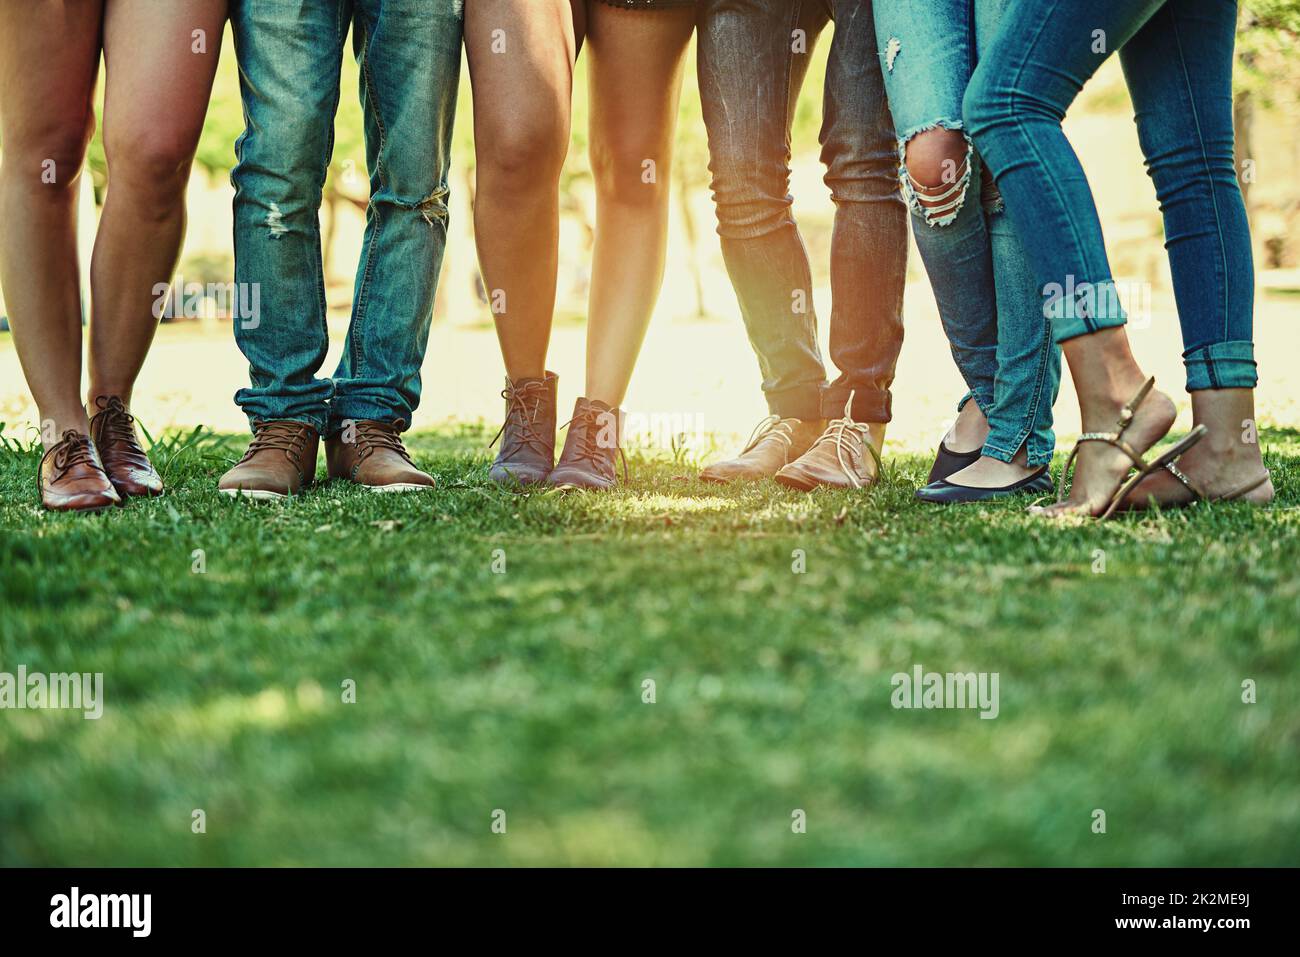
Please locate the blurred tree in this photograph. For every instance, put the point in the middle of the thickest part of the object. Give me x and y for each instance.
(1268, 77)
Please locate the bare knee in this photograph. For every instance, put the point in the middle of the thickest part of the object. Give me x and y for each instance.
(154, 165)
(522, 156)
(629, 174)
(48, 156)
(938, 171)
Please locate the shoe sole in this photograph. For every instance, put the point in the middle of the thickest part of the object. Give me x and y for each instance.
(797, 482)
(400, 487)
(253, 494)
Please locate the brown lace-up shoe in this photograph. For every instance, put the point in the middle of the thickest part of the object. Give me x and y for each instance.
(72, 478)
(281, 461)
(590, 448)
(371, 453)
(527, 436)
(113, 432)
(842, 457)
(774, 443)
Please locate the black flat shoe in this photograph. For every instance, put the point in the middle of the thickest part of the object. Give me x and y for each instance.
(946, 462)
(947, 493)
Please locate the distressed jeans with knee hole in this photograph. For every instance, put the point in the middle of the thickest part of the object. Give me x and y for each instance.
(988, 298)
(1177, 57)
(753, 56)
(290, 55)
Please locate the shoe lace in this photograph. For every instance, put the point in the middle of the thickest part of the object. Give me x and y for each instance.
(772, 427)
(588, 447)
(119, 424)
(850, 438)
(287, 437)
(523, 404)
(372, 436)
(74, 449)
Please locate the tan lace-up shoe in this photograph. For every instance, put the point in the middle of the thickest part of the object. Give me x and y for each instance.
(774, 443)
(73, 479)
(371, 453)
(842, 457)
(281, 461)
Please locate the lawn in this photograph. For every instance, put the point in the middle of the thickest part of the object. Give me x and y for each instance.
(500, 644)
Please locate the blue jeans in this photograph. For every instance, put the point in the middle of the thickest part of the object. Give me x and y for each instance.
(987, 295)
(290, 54)
(750, 75)
(1177, 57)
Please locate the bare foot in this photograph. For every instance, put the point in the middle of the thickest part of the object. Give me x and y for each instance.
(1099, 467)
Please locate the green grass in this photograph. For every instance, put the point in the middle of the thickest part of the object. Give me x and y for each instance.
(523, 691)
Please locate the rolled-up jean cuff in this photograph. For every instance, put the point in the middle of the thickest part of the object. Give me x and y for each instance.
(1221, 365)
(1083, 308)
(800, 402)
(869, 405)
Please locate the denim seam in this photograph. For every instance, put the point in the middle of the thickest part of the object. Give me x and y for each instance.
(363, 294)
(1038, 157)
(1222, 265)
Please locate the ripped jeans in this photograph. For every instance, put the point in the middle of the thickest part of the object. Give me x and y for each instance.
(290, 55)
(988, 297)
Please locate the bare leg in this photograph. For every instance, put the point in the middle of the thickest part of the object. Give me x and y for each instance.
(49, 60)
(159, 65)
(521, 55)
(636, 72)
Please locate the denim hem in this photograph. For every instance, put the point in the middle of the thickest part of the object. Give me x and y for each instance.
(342, 412)
(1032, 459)
(316, 422)
(801, 402)
(1079, 308)
(1221, 365)
(869, 405)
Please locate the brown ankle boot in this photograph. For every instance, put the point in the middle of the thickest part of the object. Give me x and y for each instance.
(113, 432)
(72, 478)
(527, 436)
(280, 461)
(775, 442)
(371, 453)
(591, 448)
(842, 457)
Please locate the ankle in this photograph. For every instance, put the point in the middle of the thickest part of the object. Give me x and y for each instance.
(107, 392)
(58, 421)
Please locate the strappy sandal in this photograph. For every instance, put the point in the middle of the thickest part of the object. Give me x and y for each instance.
(1199, 494)
(1142, 468)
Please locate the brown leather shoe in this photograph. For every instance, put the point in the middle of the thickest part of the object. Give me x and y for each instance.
(371, 453)
(72, 478)
(113, 432)
(281, 461)
(527, 436)
(591, 448)
(774, 443)
(842, 457)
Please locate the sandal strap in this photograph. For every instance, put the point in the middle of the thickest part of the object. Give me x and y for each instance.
(1130, 408)
(1114, 439)
(1186, 480)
